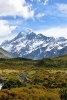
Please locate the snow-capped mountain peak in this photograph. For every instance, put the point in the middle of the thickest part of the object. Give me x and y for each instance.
(25, 33)
(60, 39)
(28, 44)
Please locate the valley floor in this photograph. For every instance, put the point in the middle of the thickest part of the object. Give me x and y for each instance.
(24, 80)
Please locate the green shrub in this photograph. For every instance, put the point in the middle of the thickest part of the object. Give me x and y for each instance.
(11, 83)
(64, 94)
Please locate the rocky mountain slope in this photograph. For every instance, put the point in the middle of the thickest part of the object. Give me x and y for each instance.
(28, 44)
(4, 54)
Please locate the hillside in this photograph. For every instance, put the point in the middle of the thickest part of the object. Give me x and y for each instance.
(54, 62)
(4, 54)
(58, 62)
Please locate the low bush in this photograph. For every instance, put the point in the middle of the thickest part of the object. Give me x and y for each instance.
(11, 83)
(64, 94)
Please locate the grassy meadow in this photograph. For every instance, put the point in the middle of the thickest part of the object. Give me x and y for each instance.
(25, 79)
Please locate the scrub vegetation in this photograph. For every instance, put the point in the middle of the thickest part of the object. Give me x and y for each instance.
(25, 79)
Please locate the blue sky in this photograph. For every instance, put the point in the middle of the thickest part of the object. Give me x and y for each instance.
(48, 17)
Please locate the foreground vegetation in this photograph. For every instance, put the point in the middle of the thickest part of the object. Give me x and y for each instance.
(45, 79)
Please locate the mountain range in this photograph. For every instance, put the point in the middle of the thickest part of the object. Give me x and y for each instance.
(28, 44)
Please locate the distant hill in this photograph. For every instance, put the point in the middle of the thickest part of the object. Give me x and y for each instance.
(57, 62)
(54, 62)
(4, 54)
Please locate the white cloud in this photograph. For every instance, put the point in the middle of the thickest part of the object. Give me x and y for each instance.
(57, 9)
(16, 8)
(45, 2)
(9, 37)
(55, 32)
(40, 15)
(62, 8)
(5, 29)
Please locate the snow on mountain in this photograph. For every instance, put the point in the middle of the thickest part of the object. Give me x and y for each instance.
(60, 39)
(30, 45)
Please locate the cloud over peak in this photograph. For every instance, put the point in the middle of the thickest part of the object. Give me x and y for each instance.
(5, 28)
(16, 8)
(54, 31)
